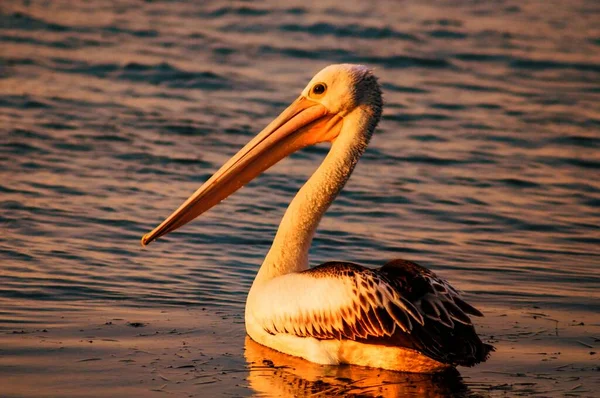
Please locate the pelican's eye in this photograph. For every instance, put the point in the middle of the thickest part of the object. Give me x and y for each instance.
(318, 90)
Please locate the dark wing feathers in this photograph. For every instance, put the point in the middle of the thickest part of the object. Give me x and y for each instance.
(466, 307)
(447, 334)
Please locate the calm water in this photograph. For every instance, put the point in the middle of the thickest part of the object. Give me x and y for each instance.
(485, 166)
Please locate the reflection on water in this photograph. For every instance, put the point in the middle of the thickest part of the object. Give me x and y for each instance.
(273, 374)
(484, 167)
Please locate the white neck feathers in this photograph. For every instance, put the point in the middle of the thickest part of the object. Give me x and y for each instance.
(289, 252)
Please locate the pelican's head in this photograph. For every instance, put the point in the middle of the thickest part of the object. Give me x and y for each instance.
(316, 116)
(342, 88)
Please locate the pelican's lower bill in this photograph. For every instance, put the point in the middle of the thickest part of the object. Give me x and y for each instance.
(401, 316)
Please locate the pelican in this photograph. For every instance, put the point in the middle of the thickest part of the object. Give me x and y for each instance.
(400, 317)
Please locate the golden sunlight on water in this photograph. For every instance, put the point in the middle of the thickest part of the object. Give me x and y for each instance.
(483, 168)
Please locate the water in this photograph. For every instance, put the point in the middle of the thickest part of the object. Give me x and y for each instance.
(484, 166)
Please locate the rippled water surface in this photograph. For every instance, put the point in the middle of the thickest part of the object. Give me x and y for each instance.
(485, 166)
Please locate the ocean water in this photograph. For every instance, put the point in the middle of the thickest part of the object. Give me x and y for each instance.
(485, 166)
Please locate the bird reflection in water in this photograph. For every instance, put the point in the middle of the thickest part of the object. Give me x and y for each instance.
(274, 374)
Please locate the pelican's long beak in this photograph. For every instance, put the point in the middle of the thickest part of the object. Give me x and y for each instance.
(303, 123)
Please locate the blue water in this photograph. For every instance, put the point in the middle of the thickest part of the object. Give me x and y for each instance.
(485, 166)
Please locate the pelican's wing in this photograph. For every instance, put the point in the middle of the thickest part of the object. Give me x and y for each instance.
(436, 299)
(335, 300)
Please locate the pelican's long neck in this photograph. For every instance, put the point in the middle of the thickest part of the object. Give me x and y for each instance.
(289, 252)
